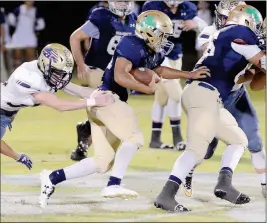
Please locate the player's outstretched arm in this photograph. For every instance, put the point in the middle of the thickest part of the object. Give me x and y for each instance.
(78, 91)
(54, 102)
(21, 158)
(169, 73)
(125, 79)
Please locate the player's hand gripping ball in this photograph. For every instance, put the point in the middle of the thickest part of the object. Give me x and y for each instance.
(144, 75)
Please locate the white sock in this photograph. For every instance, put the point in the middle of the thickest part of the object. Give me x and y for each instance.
(83, 168)
(232, 155)
(158, 112)
(174, 109)
(123, 158)
(183, 165)
(258, 160)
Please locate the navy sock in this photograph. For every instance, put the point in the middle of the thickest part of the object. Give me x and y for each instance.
(226, 169)
(114, 181)
(175, 123)
(156, 126)
(57, 176)
(175, 179)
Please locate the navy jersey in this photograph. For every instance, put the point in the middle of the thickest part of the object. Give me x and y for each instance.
(135, 50)
(225, 63)
(98, 5)
(186, 11)
(111, 29)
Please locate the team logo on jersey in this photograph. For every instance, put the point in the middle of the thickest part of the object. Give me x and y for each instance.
(149, 22)
(51, 53)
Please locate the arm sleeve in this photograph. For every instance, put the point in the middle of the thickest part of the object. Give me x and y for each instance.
(204, 36)
(90, 29)
(248, 51)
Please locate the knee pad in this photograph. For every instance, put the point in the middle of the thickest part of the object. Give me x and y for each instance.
(255, 144)
(104, 163)
(198, 148)
(211, 148)
(161, 95)
(174, 90)
(137, 138)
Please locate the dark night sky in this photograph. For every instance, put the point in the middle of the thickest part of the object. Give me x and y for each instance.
(63, 17)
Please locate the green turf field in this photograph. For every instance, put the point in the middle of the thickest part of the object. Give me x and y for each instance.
(48, 137)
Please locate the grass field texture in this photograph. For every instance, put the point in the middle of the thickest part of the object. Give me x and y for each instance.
(48, 137)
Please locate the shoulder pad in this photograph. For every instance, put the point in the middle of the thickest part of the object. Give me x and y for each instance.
(26, 80)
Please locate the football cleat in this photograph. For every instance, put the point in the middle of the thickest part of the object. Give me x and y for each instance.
(180, 146)
(159, 145)
(226, 191)
(117, 191)
(47, 188)
(187, 186)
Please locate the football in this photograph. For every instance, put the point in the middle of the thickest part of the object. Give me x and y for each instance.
(144, 75)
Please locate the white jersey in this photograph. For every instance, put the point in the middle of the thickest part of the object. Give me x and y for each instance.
(204, 37)
(18, 91)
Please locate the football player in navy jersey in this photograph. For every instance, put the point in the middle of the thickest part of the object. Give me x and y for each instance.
(238, 102)
(184, 17)
(117, 125)
(229, 51)
(104, 28)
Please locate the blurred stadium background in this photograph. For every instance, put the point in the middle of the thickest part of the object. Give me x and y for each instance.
(49, 137)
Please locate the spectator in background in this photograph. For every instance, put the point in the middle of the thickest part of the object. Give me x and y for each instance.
(204, 12)
(26, 21)
(3, 71)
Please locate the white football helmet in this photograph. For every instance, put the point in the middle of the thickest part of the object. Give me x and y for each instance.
(121, 8)
(223, 9)
(173, 3)
(56, 63)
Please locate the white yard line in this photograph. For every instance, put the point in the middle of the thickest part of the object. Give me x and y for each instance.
(158, 216)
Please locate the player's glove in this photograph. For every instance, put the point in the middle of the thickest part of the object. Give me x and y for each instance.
(25, 160)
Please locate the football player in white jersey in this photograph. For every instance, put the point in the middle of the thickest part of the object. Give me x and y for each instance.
(34, 83)
(238, 99)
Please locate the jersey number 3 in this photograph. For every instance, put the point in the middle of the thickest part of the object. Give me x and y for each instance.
(114, 41)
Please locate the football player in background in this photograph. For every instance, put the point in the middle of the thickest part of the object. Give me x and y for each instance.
(34, 83)
(105, 27)
(117, 124)
(238, 103)
(168, 95)
(202, 100)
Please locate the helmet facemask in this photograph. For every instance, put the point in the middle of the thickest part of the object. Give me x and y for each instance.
(163, 44)
(220, 19)
(55, 78)
(121, 8)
